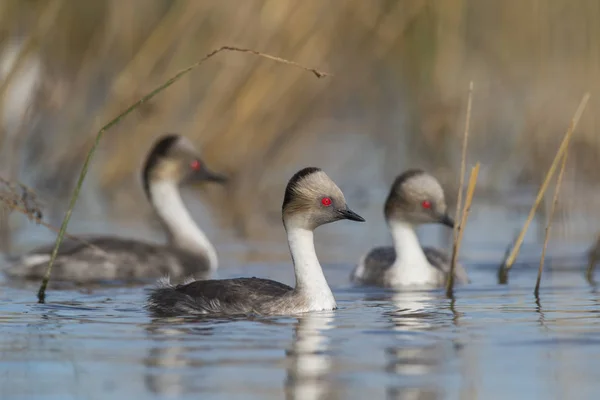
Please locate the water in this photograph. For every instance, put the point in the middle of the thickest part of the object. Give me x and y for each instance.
(492, 342)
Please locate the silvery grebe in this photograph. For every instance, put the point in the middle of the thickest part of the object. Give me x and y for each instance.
(415, 198)
(173, 161)
(311, 199)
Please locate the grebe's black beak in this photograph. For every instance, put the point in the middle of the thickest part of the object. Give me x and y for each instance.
(205, 175)
(214, 177)
(447, 220)
(351, 215)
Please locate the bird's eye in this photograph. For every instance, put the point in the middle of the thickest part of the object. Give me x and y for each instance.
(326, 201)
(195, 165)
(426, 204)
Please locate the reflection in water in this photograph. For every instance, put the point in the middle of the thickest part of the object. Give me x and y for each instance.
(168, 355)
(415, 358)
(540, 311)
(168, 360)
(308, 361)
(456, 315)
(398, 344)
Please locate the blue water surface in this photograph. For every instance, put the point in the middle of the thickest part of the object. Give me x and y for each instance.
(491, 342)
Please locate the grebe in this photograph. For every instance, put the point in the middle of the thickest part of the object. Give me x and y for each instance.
(415, 198)
(311, 199)
(173, 161)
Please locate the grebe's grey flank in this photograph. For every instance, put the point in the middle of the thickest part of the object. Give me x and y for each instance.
(415, 198)
(173, 161)
(311, 199)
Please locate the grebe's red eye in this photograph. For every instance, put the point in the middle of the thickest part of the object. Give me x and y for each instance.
(326, 201)
(195, 165)
(426, 204)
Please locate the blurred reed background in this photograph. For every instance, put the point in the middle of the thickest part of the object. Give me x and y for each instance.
(397, 99)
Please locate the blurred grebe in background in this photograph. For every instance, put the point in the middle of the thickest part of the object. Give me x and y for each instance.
(415, 198)
(173, 161)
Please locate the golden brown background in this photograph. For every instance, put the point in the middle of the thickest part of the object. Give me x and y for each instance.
(396, 100)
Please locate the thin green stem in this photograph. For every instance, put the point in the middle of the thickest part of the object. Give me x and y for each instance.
(115, 121)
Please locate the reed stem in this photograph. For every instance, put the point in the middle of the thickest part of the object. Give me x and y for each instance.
(465, 214)
(536, 291)
(463, 163)
(559, 154)
(42, 291)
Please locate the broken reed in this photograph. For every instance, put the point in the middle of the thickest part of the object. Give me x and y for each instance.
(26, 202)
(116, 120)
(463, 162)
(536, 291)
(19, 197)
(506, 266)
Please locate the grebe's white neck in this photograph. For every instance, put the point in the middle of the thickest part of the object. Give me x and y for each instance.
(310, 280)
(182, 231)
(411, 266)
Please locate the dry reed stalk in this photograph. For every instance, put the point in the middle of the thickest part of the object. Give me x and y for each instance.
(461, 228)
(463, 162)
(559, 154)
(116, 120)
(536, 291)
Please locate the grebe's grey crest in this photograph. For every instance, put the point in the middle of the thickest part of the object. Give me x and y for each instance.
(311, 199)
(172, 161)
(415, 198)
